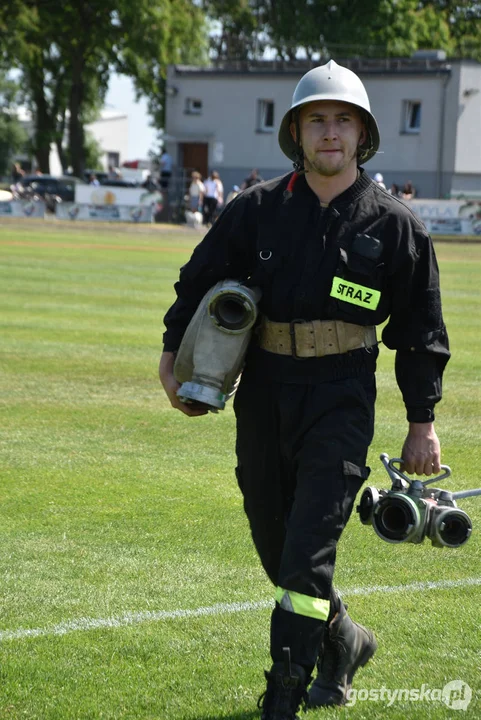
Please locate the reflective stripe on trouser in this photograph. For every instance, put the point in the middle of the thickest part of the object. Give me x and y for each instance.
(301, 453)
(302, 604)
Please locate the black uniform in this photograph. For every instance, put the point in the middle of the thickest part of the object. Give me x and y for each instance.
(304, 426)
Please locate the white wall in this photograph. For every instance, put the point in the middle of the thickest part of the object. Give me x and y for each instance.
(112, 133)
(402, 151)
(468, 156)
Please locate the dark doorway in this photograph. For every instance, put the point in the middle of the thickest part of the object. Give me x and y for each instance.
(194, 156)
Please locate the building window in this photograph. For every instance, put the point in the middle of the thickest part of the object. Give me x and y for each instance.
(193, 106)
(412, 116)
(266, 115)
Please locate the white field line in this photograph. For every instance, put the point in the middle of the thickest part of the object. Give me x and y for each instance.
(136, 618)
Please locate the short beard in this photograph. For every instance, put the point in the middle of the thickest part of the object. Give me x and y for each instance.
(326, 170)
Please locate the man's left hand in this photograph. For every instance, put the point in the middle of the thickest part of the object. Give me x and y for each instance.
(421, 453)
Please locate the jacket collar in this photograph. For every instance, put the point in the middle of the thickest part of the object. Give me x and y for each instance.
(353, 192)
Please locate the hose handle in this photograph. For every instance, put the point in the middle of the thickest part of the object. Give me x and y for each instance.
(397, 471)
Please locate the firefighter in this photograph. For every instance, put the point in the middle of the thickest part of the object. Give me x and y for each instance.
(334, 256)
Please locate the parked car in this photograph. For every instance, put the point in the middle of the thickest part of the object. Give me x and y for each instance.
(101, 175)
(119, 182)
(53, 189)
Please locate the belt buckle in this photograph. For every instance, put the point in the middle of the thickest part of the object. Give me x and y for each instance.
(292, 333)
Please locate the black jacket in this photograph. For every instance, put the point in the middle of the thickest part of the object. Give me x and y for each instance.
(363, 259)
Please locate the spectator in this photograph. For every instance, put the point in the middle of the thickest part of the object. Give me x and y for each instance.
(220, 194)
(213, 198)
(233, 193)
(196, 192)
(408, 192)
(253, 179)
(17, 173)
(394, 190)
(93, 180)
(165, 169)
(113, 173)
(380, 180)
(149, 184)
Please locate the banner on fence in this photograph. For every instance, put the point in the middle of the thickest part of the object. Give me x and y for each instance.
(108, 213)
(449, 217)
(108, 195)
(22, 208)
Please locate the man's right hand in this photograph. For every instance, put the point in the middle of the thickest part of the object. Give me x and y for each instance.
(170, 385)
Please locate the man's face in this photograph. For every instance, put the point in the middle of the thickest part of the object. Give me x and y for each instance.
(331, 132)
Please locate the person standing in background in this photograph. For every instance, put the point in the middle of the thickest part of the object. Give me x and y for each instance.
(252, 179)
(213, 198)
(394, 190)
(166, 163)
(380, 180)
(233, 194)
(408, 191)
(196, 192)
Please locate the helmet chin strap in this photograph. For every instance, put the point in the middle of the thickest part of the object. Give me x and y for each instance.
(298, 163)
(365, 148)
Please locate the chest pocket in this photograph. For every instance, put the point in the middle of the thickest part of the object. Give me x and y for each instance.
(358, 281)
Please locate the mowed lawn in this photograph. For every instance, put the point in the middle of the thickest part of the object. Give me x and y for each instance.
(129, 584)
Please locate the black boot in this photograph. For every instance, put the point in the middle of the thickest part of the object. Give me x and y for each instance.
(286, 690)
(347, 646)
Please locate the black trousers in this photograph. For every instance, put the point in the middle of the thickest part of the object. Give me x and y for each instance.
(210, 206)
(301, 452)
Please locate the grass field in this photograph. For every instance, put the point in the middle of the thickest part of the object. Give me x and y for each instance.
(129, 584)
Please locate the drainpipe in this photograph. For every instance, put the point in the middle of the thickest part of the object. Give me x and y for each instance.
(439, 180)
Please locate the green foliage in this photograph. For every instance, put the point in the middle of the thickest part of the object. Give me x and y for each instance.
(12, 135)
(93, 151)
(152, 35)
(400, 28)
(236, 28)
(464, 20)
(355, 27)
(347, 28)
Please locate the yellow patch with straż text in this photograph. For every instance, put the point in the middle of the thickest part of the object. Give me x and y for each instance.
(355, 294)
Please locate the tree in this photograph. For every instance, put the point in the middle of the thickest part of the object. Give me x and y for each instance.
(67, 51)
(401, 27)
(346, 28)
(12, 135)
(235, 27)
(350, 28)
(464, 20)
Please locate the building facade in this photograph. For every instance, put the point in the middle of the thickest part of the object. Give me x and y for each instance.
(428, 109)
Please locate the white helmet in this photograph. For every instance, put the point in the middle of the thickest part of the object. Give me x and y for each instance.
(378, 178)
(329, 82)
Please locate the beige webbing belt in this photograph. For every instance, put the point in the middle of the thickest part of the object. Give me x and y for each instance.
(314, 338)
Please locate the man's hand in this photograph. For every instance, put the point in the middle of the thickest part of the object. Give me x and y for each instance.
(170, 385)
(421, 453)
